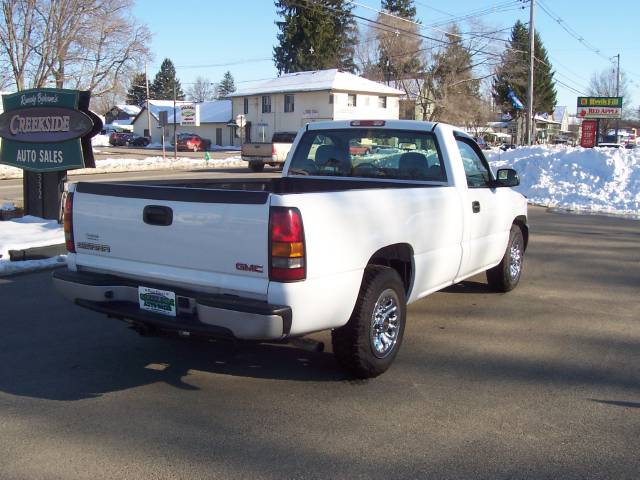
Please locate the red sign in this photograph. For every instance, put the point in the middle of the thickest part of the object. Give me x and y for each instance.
(589, 132)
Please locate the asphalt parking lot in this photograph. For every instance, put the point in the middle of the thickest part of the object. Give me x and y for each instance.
(543, 382)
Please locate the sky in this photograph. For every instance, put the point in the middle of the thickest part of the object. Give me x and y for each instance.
(207, 38)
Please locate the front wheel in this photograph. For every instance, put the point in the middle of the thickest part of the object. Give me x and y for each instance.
(505, 276)
(369, 342)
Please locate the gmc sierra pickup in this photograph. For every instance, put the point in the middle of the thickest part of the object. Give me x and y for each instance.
(340, 241)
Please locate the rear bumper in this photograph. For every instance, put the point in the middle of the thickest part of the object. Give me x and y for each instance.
(198, 314)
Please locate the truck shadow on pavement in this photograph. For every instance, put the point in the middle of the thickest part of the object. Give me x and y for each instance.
(112, 358)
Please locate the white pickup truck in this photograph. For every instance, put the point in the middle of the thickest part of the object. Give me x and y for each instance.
(341, 241)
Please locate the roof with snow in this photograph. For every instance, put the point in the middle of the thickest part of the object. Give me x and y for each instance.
(131, 110)
(216, 111)
(317, 80)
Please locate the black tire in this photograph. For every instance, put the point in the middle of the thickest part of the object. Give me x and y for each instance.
(354, 345)
(505, 276)
(256, 166)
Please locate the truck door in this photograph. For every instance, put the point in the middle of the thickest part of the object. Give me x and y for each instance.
(486, 227)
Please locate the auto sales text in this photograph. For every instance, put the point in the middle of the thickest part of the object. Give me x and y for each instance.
(40, 156)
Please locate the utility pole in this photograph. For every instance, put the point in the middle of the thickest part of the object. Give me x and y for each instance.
(618, 94)
(175, 132)
(531, 123)
(146, 79)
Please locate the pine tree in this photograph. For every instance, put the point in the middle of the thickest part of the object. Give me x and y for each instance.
(137, 93)
(401, 8)
(514, 70)
(453, 91)
(163, 84)
(226, 87)
(315, 35)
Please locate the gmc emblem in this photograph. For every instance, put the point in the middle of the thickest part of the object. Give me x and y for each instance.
(249, 268)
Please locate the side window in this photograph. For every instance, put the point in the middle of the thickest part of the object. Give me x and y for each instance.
(477, 171)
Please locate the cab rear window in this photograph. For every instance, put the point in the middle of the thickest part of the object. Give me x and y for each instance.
(369, 153)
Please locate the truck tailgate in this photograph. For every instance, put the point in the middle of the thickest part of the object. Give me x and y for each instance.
(210, 240)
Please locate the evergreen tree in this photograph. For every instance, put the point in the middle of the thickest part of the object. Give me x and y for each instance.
(164, 82)
(401, 8)
(226, 87)
(514, 70)
(453, 91)
(314, 35)
(137, 93)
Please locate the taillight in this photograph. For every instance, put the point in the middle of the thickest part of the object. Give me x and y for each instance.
(274, 154)
(286, 259)
(67, 220)
(367, 123)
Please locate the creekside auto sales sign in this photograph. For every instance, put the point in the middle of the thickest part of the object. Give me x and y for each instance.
(599, 107)
(47, 130)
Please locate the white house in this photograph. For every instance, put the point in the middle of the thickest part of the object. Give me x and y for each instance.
(286, 103)
(214, 119)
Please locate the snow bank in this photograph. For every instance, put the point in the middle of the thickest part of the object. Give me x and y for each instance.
(148, 163)
(100, 141)
(605, 180)
(28, 232)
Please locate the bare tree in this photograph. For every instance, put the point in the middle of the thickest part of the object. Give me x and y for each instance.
(603, 84)
(85, 44)
(202, 90)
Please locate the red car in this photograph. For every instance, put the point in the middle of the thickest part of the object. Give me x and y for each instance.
(119, 139)
(192, 142)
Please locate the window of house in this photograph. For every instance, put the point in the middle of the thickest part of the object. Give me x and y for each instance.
(246, 106)
(266, 104)
(382, 102)
(351, 100)
(288, 103)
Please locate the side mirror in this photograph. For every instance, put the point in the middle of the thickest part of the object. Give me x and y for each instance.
(507, 177)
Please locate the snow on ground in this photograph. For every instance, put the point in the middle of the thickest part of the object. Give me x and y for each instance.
(100, 141)
(602, 180)
(28, 232)
(149, 163)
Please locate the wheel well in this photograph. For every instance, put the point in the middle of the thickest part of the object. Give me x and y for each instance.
(400, 258)
(521, 222)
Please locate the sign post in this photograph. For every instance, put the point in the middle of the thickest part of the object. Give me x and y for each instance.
(46, 132)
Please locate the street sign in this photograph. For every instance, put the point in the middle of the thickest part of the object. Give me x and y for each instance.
(190, 114)
(47, 130)
(589, 132)
(599, 107)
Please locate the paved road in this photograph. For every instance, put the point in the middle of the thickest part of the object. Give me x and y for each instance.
(131, 152)
(540, 383)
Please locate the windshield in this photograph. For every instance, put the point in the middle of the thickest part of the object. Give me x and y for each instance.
(369, 153)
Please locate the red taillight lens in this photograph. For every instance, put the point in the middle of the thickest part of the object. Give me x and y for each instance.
(67, 220)
(287, 252)
(367, 123)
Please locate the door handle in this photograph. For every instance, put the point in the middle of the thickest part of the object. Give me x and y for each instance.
(157, 215)
(475, 206)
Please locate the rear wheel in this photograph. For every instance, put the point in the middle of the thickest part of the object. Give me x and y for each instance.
(505, 276)
(256, 166)
(367, 345)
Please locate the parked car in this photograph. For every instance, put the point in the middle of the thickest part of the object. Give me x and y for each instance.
(259, 154)
(138, 141)
(507, 146)
(119, 139)
(193, 142)
(335, 243)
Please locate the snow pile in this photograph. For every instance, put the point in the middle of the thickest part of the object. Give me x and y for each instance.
(603, 180)
(28, 232)
(100, 141)
(149, 163)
